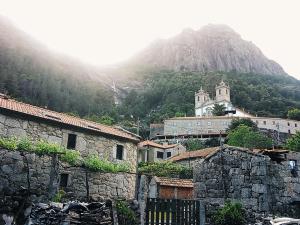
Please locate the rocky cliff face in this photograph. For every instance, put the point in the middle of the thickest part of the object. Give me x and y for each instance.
(212, 48)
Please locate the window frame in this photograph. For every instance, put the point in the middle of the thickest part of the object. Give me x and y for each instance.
(118, 153)
(69, 142)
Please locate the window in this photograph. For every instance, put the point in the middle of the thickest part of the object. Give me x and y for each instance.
(288, 123)
(120, 152)
(219, 92)
(71, 141)
(265, 122)
(160, 155)
(289, 131)
(198, 123)
(293, 167)
(296, 125)
(226, 91)
(198, 98)
(208, 123)
(169, 154)
(63, 183)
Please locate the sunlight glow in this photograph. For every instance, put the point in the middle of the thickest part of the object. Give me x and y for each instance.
(106, 32)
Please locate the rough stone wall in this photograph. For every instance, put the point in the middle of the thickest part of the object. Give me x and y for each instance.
(86, 143)
(260, 184)
(15, 174)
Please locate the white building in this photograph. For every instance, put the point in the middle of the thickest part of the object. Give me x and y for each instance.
(204, 104)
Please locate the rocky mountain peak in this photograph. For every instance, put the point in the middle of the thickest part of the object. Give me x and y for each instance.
(211, 48)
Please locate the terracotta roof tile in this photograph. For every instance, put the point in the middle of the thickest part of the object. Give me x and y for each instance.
(202, 153)
(13, 105)
(174, 182)
(156, 145)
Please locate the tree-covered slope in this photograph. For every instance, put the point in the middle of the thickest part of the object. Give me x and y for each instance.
(32, 73)
(166, 93)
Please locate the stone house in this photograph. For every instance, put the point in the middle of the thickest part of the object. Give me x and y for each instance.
(150, 151)
(264, 182)
(20, 120)
(190, 158)
(170, 188)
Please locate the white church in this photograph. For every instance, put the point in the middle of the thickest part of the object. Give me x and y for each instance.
(204, 104)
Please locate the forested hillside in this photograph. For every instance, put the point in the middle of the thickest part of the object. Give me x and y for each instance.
(166, 93)
(32, 73)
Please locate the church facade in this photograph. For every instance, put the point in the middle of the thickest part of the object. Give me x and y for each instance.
(204, 105)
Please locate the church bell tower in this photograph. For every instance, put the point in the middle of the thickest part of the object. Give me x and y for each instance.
(222, 92)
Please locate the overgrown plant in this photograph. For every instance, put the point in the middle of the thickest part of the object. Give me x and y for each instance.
(9, 143)
(231, 214)
(165, 169)
(59, 195)
(72, 157)
(93, 163)
(124, 211)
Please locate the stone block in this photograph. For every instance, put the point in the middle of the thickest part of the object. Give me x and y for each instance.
(259, 188)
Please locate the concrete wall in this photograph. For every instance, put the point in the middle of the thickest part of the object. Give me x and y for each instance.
(87, 143)
(213, 125)
(43, 176)
(260, 184)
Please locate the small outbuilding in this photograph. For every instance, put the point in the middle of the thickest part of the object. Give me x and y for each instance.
(171, 188)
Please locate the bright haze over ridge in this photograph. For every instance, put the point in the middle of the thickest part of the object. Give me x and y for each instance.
(109, 32)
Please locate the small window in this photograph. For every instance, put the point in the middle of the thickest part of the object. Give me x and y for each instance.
(198, 123)
(219, 91)
(71, 141)
(198, 98)
(226, 91)
(169, 154)
(120, 152)
(63, 183)
(160, 155)
(265, 122)
(289, 131)
(288, 123)
(293, 167)
(296, 125)
(208, 123)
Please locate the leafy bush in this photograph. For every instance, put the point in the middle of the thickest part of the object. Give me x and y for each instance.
(243, 121)
(59, 195)
(124, 211)
(93, 163)
(25, 145)
(44, 147)
(230, 214)
(294, 114)
(71, 156)
(244, 136)
(9, 143)
(165, 169)
(293, 143)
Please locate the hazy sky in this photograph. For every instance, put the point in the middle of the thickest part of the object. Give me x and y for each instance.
(107, 32)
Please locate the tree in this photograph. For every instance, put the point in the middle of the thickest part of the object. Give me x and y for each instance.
(293, 143)
(244, 136)
(294, 114)
(244, 121)
(219, 110)
(194, 144)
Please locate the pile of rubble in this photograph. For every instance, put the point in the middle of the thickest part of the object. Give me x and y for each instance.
(96, 213)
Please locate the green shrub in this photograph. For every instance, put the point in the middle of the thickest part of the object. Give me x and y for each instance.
(93, 163)
(230, 214)
(25, 145)
(71, 156)
(124, 211)
(164, 169)
(59, 195)
(9, 143)
(44, 147)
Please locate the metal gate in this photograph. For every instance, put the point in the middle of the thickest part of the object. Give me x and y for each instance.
(172, 212)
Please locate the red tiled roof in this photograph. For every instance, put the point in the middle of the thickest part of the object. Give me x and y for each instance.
(202, 153)
(156, 145)
(174, 182)
(13, 105)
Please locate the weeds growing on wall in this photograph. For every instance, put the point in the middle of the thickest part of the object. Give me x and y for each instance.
(165, 169)
(93, 163)
(125, 212)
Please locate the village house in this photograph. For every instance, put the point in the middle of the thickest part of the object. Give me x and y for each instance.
(264, 181)
(22, 120)
(150, 151)
(170, 188)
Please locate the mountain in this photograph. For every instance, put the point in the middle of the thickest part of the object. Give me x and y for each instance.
(32, 73)
(212, 48)
(158, 83)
